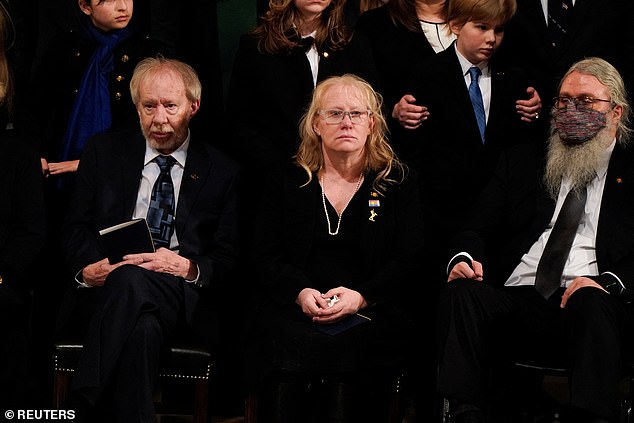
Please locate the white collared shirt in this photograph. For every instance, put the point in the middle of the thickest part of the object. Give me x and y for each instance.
(313, 58)
(151, 173)
(484, 82)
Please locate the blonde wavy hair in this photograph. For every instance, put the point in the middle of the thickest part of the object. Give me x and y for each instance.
(379, 157)
(278, 31)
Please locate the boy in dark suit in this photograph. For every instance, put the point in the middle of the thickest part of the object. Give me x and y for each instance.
(456, 152)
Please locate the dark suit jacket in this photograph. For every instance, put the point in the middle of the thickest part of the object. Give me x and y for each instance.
(600, 28)
(22, 226)
(452, 161)
(396, 51)
(105, 194)
(514, 210)
(269, 93)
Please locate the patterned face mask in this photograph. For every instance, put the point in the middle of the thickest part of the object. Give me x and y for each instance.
(576, 126)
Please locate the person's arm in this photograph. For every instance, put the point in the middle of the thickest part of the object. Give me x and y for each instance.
(246, 99)
(278, 276)
(23, 232)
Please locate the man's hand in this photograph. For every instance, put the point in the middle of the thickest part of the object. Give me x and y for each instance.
(63, 167)
(95, 274)
(164, 261)
(578, 282)
(408, 114)
(529, 109)
(464, 271)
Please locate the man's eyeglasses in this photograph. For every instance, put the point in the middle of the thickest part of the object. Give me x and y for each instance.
(579, 102)
(335, 117)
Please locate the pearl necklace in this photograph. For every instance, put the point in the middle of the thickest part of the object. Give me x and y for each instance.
(323, 201)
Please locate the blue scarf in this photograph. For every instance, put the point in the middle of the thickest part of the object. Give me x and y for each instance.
(91, 112)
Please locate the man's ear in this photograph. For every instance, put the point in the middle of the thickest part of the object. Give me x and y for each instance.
(618, 112)
(195, 107)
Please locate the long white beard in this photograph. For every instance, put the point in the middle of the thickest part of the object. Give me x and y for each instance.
(576, 163)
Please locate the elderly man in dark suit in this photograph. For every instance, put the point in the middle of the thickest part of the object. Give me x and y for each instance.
(506, 297)
(146, 298)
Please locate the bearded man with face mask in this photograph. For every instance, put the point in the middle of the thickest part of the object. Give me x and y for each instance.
(509, 297)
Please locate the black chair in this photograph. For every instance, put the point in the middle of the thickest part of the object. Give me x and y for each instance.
(395, 403)
(182, 363)
(547, 373)
(550, 395)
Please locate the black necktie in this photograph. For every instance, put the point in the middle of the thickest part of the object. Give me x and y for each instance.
(160, 215)
(551, 264)
(559, 13)
(476, 99)
(306, 43)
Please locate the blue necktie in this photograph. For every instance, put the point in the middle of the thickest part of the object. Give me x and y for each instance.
(476, 99)
(557, 249)
(160, 215)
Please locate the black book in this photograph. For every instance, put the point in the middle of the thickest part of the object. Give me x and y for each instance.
(129, 237)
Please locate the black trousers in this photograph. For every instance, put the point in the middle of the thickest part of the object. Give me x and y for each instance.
(14, 351)
(481, 327)
(136, 312)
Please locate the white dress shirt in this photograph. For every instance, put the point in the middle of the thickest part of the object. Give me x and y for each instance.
(151, 173)
(484, 82)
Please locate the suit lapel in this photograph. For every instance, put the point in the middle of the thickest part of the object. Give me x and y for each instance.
(373, 222)
(132, 154)
(457, 89)
(577, 22)
(612, 200)
(419, 42)
(195, 175)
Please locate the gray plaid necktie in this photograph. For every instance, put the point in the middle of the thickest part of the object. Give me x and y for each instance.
(160, 215)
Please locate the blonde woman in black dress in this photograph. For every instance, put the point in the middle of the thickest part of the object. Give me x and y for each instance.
(338, 239)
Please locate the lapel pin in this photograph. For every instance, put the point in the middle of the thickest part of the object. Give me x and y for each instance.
(194, 176)
(619, 180)
(373, 214)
